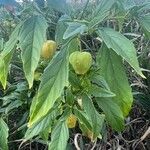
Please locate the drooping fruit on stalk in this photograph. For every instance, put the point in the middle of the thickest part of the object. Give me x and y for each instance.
(71, 121)
(48, 49)
(80, 61)
(37, 76)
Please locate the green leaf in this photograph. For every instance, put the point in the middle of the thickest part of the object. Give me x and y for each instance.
(32, 37)
(59, 5)
(61, 28)
(69, 97)
(96, 119)
(74, 28)
(113, 71)
(112, 112)
(145, 23)
(97, 91)
(101, 12)
(129, 4)
(13, 105)
(121, 45)
(83, 119)
(85, 123)
(6, 55)
(136, 6)
(43, 124)
(73, 79)
(97, 79)
(59, 136)
(53, 81)
(145, 7)
(73, 45)
(3, 135)
(1, 44)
